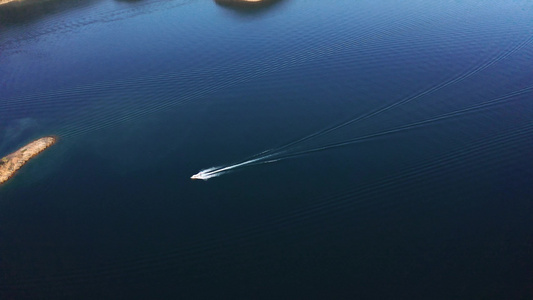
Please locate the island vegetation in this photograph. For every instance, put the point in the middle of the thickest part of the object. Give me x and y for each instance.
(14, 161)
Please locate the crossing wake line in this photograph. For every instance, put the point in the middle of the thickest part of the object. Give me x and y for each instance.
(287, 151)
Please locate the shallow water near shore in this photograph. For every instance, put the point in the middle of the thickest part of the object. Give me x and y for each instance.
(399, 134)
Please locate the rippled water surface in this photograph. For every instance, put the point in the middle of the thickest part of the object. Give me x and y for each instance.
(355, 150)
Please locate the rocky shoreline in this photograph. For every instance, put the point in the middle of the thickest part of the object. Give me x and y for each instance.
(6, 1)
(14, 161)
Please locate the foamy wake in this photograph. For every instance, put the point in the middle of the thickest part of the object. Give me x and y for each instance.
(217, 171)
(207, 174)
(288, 151)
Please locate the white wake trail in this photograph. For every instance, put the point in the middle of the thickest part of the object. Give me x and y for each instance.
(217, 171)
(288, 151)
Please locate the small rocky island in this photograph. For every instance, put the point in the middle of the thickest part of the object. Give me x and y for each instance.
(14, 161)
(6, 1)
(20, 2)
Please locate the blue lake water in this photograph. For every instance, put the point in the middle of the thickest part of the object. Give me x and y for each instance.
(382, 150)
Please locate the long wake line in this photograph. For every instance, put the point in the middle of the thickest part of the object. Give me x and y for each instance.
(217, 171)
(283, 152)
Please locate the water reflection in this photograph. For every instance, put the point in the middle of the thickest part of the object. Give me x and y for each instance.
(21, 12)
(248, 6)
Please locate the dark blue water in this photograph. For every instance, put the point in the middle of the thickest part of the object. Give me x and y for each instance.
(402, 134)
